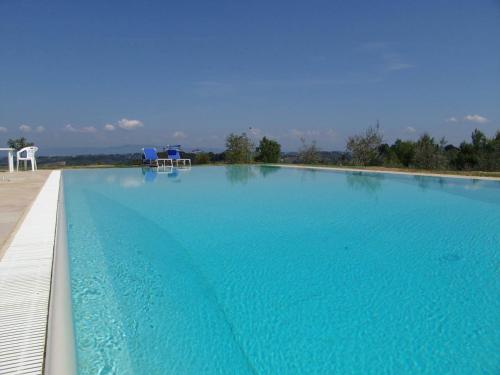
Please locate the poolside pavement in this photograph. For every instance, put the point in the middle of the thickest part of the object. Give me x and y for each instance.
(17, 192)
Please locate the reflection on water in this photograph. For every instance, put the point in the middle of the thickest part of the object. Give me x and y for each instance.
(425, 182)
(475, 189)
(369, 182)
(266, 170)
(149, 174)
(239, 174)
(172, 173)
(130, 181)
(308, 174)
(110, 179)
(169, 172)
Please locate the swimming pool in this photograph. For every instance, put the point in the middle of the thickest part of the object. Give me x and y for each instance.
(263, 270)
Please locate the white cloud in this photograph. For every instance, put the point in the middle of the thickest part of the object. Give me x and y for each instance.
(468, 118)
(386, 53)
(476, 118)
(410, 129)
(25, 128)
(3, 129)
(179, 134)
(39, 129)
(130, 124)
(86, 129)
(393, 61)
(109, 127)
(397, 65)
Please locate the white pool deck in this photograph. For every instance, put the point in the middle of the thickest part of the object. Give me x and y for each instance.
(25, 285)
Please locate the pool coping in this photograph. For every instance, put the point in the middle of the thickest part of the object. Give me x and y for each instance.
(380, 171)
(60, 356)
(35, 313)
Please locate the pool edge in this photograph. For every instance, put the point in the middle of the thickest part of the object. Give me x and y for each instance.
(379, 171)
(60, 355)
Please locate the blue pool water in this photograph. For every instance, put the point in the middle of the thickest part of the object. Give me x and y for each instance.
(261, 270)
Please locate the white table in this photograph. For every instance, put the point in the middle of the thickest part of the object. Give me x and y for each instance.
(11, 157)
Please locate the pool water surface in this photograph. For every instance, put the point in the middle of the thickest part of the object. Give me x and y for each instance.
(266, 270)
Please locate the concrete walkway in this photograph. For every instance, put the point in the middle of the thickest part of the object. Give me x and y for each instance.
(17, 193)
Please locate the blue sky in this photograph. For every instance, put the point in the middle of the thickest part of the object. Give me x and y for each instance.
(110, 73)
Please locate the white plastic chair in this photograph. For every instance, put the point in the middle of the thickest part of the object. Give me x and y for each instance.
(30, 156)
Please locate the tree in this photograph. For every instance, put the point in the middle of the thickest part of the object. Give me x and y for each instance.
(465, 158)
(269, 151)
(365, 148)
(238, 148)
(240, 174)
(202, 158)
(388, 156)
(308, 154)
(484, 149)
(19, 143)
(479, 140)
(405, 152)
(495, 155)
(429, 154)
(482, 153)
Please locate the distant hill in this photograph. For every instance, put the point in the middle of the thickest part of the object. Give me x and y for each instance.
(122, 156)
(112, 150)
(73, 151)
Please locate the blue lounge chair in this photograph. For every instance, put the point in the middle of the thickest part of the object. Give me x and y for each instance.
(150, 157)
(174, 155)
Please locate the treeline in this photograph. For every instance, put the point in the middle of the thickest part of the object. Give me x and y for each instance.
(368, 149)
(240, 150)
(481, 154)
